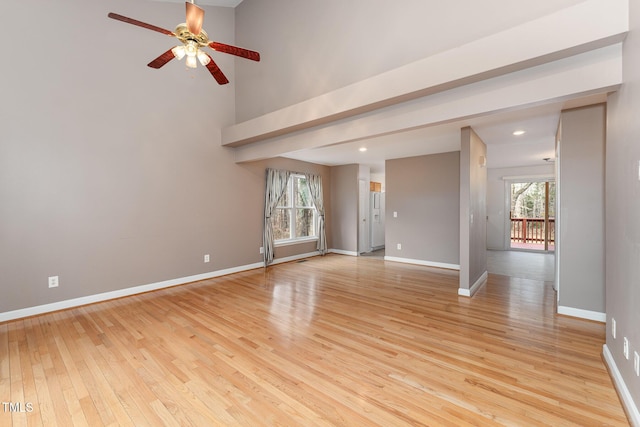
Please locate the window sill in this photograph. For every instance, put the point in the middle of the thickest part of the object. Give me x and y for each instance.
(294, 241)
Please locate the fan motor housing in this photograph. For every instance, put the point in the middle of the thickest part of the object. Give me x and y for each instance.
(183, 34)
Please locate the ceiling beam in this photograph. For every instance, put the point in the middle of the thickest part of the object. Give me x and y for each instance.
(592, 72)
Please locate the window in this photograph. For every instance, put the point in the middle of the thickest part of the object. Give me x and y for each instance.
(295, 217)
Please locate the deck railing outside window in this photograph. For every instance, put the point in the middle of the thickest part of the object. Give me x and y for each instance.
(531, 230)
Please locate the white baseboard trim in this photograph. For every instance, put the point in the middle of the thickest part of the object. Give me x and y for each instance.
(627, 400)
(341, 252)
(294, 257)
(91, 299)
(583, 314)
(422, 262)
(474, 288)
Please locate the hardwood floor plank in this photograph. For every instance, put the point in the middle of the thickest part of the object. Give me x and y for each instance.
(20, 376)
(38, 351)
(335, 340)
(141, 405)
(72, 370)
(253, 378)
(64, 402)
(5, 372)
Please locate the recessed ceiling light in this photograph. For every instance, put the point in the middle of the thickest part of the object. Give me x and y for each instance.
(363, 149)
(519, 132)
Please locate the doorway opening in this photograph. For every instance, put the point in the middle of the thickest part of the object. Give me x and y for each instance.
(532, 215)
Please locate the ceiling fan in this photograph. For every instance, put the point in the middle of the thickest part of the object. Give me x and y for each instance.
(193, 38)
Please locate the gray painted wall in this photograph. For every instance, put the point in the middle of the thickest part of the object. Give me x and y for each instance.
(107, 180)
(104, 181)
(623, 208)
(497, 199)
(344, 207)
(580, 250)
(425, 192)
(473, 208)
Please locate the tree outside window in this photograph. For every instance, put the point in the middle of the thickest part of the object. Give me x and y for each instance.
(528, 199)
(295, 217)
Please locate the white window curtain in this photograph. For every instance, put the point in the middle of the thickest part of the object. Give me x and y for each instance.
(275, 189)
(315, 186)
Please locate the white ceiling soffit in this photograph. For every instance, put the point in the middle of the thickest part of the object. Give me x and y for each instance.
(223, 3)
(597, 71)
(496, 130)
(503, 148)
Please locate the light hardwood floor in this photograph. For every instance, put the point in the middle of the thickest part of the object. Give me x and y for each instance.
(336, 340)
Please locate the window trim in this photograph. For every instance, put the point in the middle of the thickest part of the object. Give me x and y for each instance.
(289, 242)
(291, 209)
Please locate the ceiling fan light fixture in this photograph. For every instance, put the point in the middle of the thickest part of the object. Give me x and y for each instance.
(192, 37)
(203, 58)
(179, 52)
(191, 48)
(191, 61)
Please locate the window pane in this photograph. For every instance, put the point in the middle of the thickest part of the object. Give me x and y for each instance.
(281, 224)
(304, 223)
(303, 196)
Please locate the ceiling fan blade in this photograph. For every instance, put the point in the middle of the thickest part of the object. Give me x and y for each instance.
(140, 24)
(234, 50)
(216, 72)
(195, 17)
(161, 60)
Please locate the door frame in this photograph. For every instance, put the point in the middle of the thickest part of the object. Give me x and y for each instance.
(508, 180)
(364, 230)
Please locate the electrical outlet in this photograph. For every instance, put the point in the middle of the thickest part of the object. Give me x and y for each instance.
(207, 258)
(395, 214)
(54, 281)
(399, 246)
(625, 348)
(613, 328)
(636, 363)
(261, 249)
